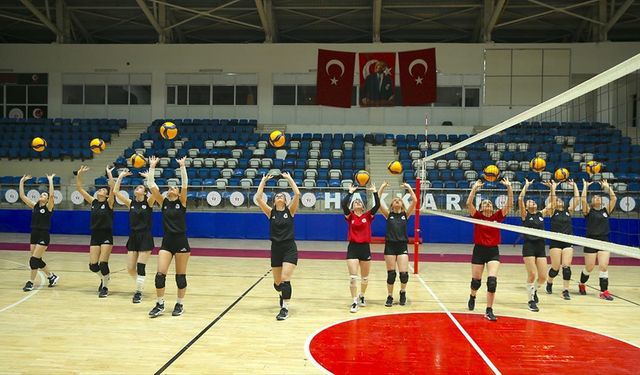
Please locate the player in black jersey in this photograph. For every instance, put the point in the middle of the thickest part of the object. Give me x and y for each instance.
(597, 217)
(101, 231)
(561, 253)
(174, 241)
(40, 225)
(284, 252)
(140, 242)
(396, 240)
(533, 249)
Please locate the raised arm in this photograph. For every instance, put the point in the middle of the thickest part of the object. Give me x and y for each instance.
(576, 197)
(185, 180)
(548, 209)
(295, 201)
(50, 202)
(523, 192)
(583, 200)
(414, 200)
(376, 199)
(471, 207)
(151, 182)
(23, 196)
(116, 188)
(612, 196)
(111, 198)
(260, 194)
(110, 180)
(346, 200)
(150, 200)
(383, 207)
(83, 192)
(509, 205)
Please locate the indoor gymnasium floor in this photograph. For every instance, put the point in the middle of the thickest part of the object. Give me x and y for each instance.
(229, 324)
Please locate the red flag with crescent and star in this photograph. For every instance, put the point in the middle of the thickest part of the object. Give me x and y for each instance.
(418, 80)
(377, 78)
(334, 80)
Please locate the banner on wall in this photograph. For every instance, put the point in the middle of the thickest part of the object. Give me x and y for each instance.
(377, 79)
(418, 77)
(334, 79)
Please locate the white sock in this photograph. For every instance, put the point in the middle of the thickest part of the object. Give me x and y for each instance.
(161, 300)
(285, 305)
(531, 289)
(179, 300)
(139, 283)
(105, 280)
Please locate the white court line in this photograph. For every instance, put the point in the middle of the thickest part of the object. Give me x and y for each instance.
(457, 323)
(30, 294)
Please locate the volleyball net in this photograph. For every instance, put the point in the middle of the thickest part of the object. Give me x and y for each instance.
(589, 131)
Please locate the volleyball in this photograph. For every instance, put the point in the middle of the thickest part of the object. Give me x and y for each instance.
(138, 161)
(97, 145)
(491, 173)
(362, 177)
(38, 144)
(168, 130)
(395, 167)
(277, 138)
(538, 164)
(561, 174)
(593, 167)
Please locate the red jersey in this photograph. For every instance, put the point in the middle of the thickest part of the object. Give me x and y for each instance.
(487, 236)
(359, 227)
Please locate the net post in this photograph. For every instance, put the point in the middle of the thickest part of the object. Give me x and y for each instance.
(416, 232)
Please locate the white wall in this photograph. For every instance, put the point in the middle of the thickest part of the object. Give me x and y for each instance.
(453, 60)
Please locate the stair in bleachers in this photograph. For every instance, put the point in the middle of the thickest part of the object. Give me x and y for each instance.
(378, 158)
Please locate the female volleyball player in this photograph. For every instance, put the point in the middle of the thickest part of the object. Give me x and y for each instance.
(485, 250)
(174, 242)
(533, 249)
(561, 253)
(101, 230)
(40, 225)
(395, 242)
(597, 217)
(140, 242)
(359, 237)
(284, 252)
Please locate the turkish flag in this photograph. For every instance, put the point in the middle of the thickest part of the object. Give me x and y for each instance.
(418, 80)
(334, 80)
(377, 78)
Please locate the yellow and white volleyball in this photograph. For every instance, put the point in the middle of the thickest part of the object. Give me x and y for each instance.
(593, 167)
(491, 173)
(38, 144)
(277, 138)
(97, 145)
(538, 164)
(561, 174)
(362, 177)
(168, 130)
(138, 161)
(395, 167)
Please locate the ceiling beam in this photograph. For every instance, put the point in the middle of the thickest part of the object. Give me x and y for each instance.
(306, 24)
(42, 18)
(20, 18)
(618, 14)
(327, 19)
(271, 17)
(542, 14)
(76, 22)
(565, 11)
(152, 20)
(377, 20)
(431, 19)
(208, 11)
(207, 15)
(492, 20)
(264, 20)
(465, 31)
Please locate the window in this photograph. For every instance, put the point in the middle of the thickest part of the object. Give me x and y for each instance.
(306, 95)
(117, 94)
(37, 94)
(284, 95)
(182, 95)
(139, 94)
(171, 94)
(16, 94)
(72, 94)
(199, 95)
(449, 97)
(471, 96)
(246, 95)
(223, 95)
(94, 94)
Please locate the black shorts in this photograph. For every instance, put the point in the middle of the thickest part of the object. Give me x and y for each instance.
(590, 250)
(553, 244)
(40, 237)
(101, 237)
(175, 243)
(395, 248)
(534, 248)
(283, 252)
(140, 241)
(360, 251)
(485, 254)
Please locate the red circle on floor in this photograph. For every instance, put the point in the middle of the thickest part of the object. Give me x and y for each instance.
(427, 343)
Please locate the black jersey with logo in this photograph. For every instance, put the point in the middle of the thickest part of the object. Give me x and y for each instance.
(397, 227)
(597, 223)
(281, 225)
(40, 218)
(174, 217)
(140, 214)
(101, 215)
(561, 222)
(534, 221)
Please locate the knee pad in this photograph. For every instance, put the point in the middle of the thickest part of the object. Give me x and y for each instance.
(34, 263)
(160, 280)
(391, 277)
(566, 273)
(277, 287)
(353, 280)
(141, 268)
(475, 284)
(286, 290)
(42, 263)
(104, 268)
(492, 284)
(404, 277)
(553, 273)
(365, 280)
(181, 281)
(93, 267)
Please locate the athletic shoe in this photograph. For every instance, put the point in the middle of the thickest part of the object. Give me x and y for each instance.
(549, 288)
(403, 298)
(137, 297)
(354, 307)
(606, 295)
(565, 295)
(472, 303)
(28, 286)
(156, 311)
(283, 314)
(582, 289)
(389, 302)
(103, 292)
(533, 307)
(489, 315)
(361, 301)
(178, 309)
(535, 297)
(53, 280)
